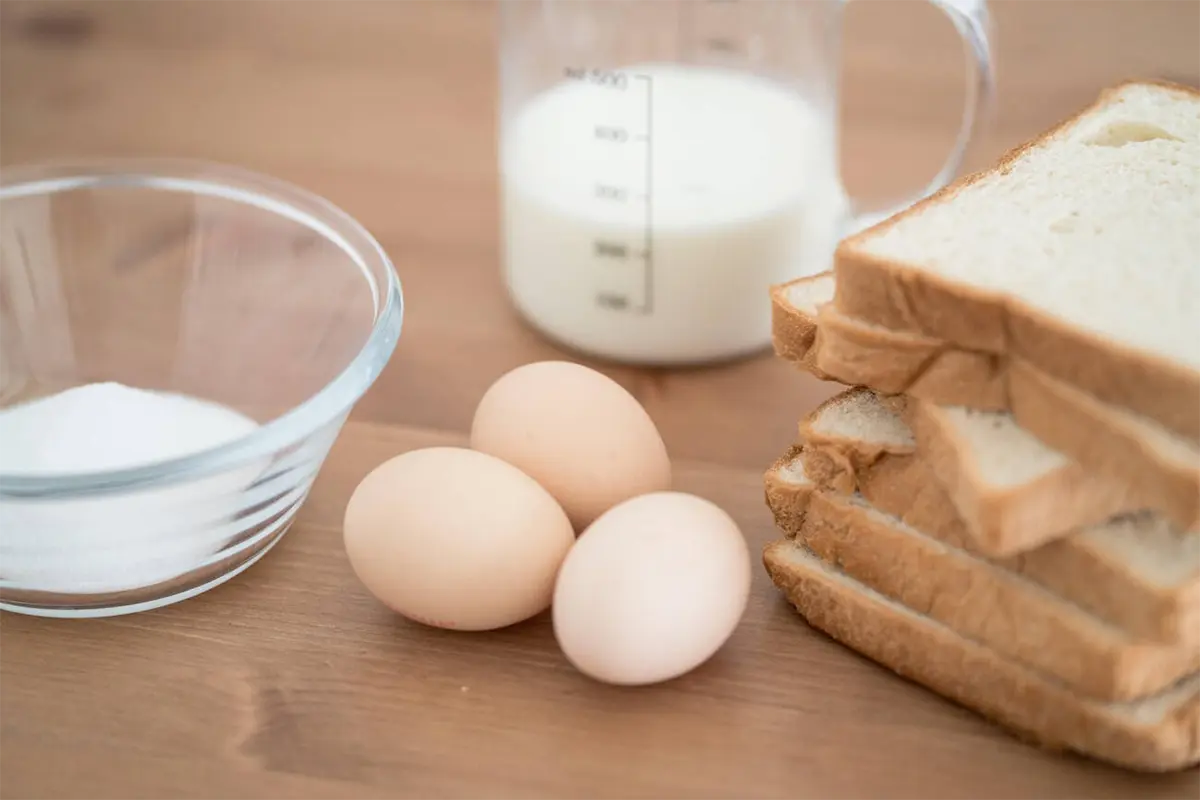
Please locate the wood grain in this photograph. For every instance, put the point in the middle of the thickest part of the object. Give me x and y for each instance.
(290, 681)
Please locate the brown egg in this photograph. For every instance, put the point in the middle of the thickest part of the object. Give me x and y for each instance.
(575, 431)
(456, 539)
(652, 589)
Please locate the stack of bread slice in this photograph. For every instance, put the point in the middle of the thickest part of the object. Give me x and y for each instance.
(1004, 505)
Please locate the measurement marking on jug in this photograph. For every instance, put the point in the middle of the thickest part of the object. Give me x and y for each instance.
(648, 245)
(615, 251)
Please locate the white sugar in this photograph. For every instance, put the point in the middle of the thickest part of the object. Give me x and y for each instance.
(107, 426)
(116, 541)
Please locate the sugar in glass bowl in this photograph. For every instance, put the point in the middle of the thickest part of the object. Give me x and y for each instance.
(180, 345)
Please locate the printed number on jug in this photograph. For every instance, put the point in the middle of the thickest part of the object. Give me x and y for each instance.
(610, 133)
(605, 191)
(606, 249)
(600, 77)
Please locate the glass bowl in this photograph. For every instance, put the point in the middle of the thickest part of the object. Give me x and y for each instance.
(180, 345)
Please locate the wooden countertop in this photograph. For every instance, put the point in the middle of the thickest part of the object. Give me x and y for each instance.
(290, 680)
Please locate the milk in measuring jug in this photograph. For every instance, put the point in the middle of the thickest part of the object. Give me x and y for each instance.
(648, 211)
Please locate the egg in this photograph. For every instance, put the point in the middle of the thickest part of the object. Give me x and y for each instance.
(575, 431)
(652, 589)
(456, 539)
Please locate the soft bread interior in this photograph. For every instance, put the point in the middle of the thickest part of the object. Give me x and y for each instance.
(809, 294)
(1003, 453)
(792, 472)
(1150, 547)
(859, 414)
(1070, 225)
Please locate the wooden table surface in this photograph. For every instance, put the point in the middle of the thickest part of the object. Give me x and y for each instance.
(290, 680)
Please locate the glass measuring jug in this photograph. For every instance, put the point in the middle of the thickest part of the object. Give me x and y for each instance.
(663, 163)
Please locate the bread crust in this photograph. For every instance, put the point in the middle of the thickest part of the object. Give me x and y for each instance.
(1159, 470)
(985, 601)
(892, 362)
(1154, 469)
(1003, 521)
(1015, 520)
(793, 334)
(844, 349)
(1073, 567)
(904, 297)
(1019, 699)
(788, 496)
(850, 455)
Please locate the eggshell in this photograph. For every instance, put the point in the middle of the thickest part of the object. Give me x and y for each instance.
(456, 539)
(575, 431)
(652, 589)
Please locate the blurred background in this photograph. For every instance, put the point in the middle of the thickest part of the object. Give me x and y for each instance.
(293, 681)
(388, 109)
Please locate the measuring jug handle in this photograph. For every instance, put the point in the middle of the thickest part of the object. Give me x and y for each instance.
(970, 18)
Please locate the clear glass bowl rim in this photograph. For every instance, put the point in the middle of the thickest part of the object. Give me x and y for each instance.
(267, 194)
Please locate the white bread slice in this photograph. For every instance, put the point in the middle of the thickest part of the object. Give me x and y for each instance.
(806, 329)
(1140, 461)
(1078, 253)
(979, 599)
(794, 334)
(1160, 733)
(1012, 492)
(1136, 571)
